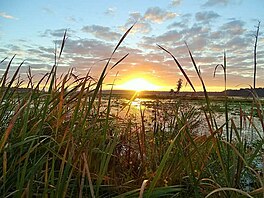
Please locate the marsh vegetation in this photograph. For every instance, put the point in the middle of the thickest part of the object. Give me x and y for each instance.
(63, 138)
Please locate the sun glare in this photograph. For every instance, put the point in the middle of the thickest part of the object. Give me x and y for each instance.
(139, 84)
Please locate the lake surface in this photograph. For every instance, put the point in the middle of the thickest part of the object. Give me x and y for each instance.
(246, 122)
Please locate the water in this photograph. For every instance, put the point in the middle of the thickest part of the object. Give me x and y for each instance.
(248, 126)
(243, 123)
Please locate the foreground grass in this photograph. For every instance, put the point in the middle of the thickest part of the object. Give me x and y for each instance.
(61, 141)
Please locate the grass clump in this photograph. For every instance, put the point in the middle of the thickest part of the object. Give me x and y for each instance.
(59, 140)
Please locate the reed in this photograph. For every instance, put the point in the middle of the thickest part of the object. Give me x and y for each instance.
(62, 141)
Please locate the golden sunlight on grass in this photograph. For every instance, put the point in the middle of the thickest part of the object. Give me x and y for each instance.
(139, 84)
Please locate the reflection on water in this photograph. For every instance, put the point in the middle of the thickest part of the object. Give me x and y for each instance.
(137, 104)
(163, 111)
(165, 117)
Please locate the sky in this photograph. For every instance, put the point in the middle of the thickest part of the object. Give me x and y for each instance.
(30, 29)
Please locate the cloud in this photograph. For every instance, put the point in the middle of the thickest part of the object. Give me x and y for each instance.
(234, 27)
(216, 2)
(157, 15)
(40, 67)
(196, 30)
(141, 26)
(85, 54)
(71, 19)
(101, 32)
(196, 36)
(7, 16)
(237, 43)
(206, 42)
(169, 36)
(175, 2)
(183, 23)
(198, 43)
(57, 33)
(210, 3)
(170, 39)
(179, 24)
(206, 16)
(143, 22)
(88, 48)
(110, 11)
(48, 10)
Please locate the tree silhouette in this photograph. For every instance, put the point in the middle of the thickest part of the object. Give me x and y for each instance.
(179, 85)
(178, 88)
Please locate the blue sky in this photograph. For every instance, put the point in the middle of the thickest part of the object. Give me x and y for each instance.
(30, 28)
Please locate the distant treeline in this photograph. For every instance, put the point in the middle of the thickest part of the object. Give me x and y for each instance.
(167, 94)
(246, 92)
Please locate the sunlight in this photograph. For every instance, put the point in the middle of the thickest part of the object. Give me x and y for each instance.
(139, 84)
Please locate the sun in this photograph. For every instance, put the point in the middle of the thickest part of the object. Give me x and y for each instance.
(139, 84)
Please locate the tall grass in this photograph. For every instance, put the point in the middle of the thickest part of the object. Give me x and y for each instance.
(62, 141)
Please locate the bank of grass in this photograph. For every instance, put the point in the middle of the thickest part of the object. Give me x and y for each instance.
(61, 141)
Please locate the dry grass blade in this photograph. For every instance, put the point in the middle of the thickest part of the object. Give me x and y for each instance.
(63, 43)
(219, 65)
(236, 151)
(259, 178)
(196, 68)
(11, 125)
(258, 107)
(117, 46)
(30, 78)
(255, 55)
(119, 43)
(164, 160)
(211, 182)
(40, 81)
(229, 189)
(102, 76)
(119, 61)
(3, 60)
(49, 74)
(204, 87)
(257, 191)
(122, 38)
(4, 165)
(224, 66)
(3, 79)
(11, 82)
(179, 65)
(143, 186)
(88, 175)
(129, 103)
(16, 73)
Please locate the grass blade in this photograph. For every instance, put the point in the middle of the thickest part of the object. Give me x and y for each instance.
(179, 66)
